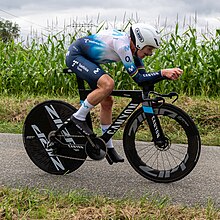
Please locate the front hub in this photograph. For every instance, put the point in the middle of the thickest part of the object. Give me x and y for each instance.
(163, 145)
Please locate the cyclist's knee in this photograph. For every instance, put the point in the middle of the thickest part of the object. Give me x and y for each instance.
(106, 83)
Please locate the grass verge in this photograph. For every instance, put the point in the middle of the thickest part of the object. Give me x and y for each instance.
(33, 204)
(204, 111)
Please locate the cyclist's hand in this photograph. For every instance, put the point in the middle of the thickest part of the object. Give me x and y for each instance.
(173, 73)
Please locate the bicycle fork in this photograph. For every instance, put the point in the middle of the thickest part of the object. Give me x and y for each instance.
(159, 139)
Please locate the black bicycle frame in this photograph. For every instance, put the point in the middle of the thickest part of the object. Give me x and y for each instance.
(137, 97)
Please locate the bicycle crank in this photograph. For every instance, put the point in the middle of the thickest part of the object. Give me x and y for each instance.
(96, 148)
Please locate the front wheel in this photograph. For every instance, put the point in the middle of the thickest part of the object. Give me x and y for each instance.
(167, 163)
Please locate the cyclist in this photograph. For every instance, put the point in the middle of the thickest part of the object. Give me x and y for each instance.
(86, 54)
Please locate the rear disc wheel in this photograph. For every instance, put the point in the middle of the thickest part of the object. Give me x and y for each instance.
(44, 118)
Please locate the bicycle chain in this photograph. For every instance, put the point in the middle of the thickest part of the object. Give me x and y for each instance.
(73, 158)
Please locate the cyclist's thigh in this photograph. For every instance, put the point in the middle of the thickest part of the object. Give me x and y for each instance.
(85, 69)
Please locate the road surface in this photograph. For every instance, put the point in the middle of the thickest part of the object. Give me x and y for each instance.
(116, 181)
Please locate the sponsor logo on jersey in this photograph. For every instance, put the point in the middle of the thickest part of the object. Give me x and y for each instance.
(75, 63)
(96, 70)
(127, 59)
(127, 48)
(75, 48)
(131, 69)
(151, 74)
(86, 40)
(80, 66)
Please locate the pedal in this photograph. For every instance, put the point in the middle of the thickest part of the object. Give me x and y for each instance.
(115, 157)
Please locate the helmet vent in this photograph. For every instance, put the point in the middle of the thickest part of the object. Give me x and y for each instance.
(139, 35)
(156, 42)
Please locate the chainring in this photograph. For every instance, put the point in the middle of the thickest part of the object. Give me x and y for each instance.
(96, 150)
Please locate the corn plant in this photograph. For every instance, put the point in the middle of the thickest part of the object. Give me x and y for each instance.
(200, 60)
(36, 67)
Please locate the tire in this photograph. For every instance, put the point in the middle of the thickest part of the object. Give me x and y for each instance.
(162, 165)
(42, 119)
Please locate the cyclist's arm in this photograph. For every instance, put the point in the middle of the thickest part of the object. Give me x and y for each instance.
(135, 67)
(140, 75)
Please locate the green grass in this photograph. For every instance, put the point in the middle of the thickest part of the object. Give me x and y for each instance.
(204, 111)
(79, 205)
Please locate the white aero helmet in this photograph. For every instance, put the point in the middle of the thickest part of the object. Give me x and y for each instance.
(144, 34)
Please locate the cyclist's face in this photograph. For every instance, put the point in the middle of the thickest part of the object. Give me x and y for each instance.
(145, 51)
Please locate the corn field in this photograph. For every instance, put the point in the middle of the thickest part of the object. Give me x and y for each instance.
(36, 67)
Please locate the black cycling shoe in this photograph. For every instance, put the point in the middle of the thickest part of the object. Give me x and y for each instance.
(115, 157)
(82, 126)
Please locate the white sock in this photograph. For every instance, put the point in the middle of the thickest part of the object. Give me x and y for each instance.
(109, 144)
(83, 110)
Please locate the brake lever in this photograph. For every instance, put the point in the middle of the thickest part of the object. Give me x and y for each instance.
(158, 100)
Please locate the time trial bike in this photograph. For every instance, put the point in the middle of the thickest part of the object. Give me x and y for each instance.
(161, 141)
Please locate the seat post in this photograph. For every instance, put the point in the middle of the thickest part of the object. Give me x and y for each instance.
(81, 87)
(82, 96)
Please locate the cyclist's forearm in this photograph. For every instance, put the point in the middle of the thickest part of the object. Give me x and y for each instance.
(139, 77)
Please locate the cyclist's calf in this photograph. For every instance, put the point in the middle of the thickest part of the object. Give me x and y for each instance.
(107, 103)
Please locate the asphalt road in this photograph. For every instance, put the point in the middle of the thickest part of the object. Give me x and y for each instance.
(116, 181)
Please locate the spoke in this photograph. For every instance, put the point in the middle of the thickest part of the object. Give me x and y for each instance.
(163, 160)
(169, 160)
(150, 157)
(151, 147)
(169, 157)
(179, 157)
(174, 156)
(178, 151)
(156, 158)
(145, 148)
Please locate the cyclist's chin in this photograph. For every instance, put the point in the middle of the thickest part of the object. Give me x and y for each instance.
(142, 56)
